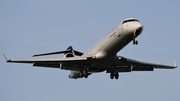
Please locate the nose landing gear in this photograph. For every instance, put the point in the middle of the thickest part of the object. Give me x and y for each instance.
(135, 42)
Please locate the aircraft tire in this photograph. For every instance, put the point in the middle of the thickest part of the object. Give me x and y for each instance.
(116, 75)
(136, 42)
(86, 76)
(112, 75)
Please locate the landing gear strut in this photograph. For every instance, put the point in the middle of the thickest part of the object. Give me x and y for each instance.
(85, 72)
(114, 74)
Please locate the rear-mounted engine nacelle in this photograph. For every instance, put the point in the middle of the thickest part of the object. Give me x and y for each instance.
(75, 75)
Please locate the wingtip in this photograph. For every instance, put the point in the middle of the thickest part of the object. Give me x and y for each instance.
(175, 64)
(6, 58)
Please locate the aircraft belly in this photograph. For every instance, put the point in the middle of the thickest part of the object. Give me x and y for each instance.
(79, 67)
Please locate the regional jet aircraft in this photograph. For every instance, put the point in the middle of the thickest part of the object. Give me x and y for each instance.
(102, 56)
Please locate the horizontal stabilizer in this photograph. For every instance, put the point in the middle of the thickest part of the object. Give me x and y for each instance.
(69, 49)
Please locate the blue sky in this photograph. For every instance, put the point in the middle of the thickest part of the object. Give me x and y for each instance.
(28, 27)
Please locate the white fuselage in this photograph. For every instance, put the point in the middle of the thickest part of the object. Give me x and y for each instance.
(114, 41)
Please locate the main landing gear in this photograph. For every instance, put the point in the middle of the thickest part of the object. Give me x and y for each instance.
(114, 75)
(85, 72)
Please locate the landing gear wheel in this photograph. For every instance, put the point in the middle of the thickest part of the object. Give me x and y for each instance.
(136, 42)
(112, 75)
(86, 76)
(116, 75)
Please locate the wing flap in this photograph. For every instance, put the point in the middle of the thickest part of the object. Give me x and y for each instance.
(47, 64)
(142, 68)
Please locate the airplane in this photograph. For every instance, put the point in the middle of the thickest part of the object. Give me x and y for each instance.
(101, 57)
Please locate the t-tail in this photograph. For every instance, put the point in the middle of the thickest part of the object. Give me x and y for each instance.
(69, 50)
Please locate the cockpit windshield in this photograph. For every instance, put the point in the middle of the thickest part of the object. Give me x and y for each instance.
(130, 20)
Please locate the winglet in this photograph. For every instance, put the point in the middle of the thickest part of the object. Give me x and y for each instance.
(175, 65)
(6, 58)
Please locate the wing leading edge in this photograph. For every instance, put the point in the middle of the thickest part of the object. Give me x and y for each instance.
(59, 60)
(51, 62)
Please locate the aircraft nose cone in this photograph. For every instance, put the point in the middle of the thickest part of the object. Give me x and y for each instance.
(139, 30)
(138, 26)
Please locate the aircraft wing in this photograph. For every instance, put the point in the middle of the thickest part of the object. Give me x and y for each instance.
(49, 62)
(125, 63)
(140, 65)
